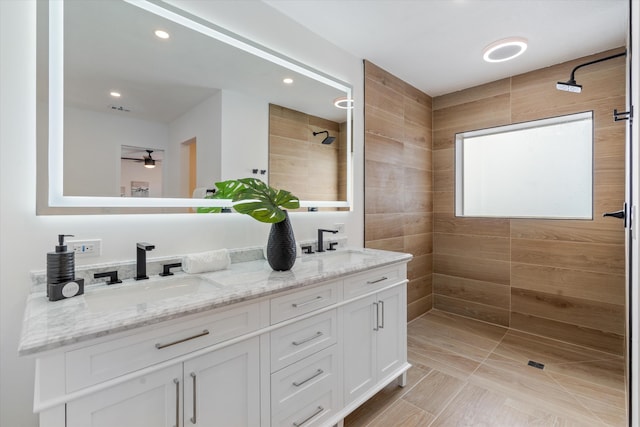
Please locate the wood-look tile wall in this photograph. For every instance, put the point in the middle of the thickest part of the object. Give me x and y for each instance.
(398, 177)
(299, 162)
(562, 279)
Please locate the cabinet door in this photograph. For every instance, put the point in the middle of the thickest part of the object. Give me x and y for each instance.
(359, 347)
(149, 401)
(391, 335)
(222, 388)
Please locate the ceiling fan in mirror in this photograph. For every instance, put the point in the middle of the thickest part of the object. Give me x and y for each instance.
(149, 161)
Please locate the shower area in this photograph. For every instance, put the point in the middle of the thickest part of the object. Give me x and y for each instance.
(503, 285)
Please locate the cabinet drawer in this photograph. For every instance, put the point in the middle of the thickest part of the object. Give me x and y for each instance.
(373, 280)
(301, 339)
(303, 301)
(110, 359)
(309, 411)
(303, 378)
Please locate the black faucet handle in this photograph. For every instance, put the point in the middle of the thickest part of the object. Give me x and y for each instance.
(308, 249)
(167, 267)
(112, 275)
(332, 246)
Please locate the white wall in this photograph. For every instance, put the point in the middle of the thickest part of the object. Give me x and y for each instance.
(25, 238)
(202, 122)
(245, 135)
(93, 142)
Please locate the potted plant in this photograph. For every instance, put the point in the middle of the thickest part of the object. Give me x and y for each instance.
(265, 204)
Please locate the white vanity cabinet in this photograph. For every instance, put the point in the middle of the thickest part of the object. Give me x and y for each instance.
(306, 356)
(374, 334)
(221, 388)
(152, 400)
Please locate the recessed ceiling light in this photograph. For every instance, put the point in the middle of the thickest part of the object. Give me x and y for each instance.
(287, 80)
(161, 34)
(505, 49)
(115, 94)
(343, 102)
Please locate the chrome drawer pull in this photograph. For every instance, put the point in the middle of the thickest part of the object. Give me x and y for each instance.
(195, 398)
(318, 372)
(299, 423)
(177, 383)
(371, 282)
(313, 337)
(302, 304)
(201, 334)
(382, 307)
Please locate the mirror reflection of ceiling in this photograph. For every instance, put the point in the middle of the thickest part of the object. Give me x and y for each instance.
(111, 46)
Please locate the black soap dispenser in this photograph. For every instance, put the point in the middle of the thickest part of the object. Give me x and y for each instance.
(61, 274)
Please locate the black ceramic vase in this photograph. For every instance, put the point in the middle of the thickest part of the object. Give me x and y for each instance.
(281, 246)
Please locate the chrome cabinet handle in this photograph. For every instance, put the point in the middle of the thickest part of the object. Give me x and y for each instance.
(299, 423)
(375, 304)
(382, 309)
(311, 301)
(299, 383)
(313, 337)
(177, 383)
(371, 282)
(195, 398)
(201, 334)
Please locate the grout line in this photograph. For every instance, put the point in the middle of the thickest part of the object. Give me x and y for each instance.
(488, 354)
(453, 397)
(587, 410)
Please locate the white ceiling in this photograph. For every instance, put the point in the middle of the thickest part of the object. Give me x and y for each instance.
(436, 45)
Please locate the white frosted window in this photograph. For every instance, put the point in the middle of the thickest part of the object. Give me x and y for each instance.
(539, 169)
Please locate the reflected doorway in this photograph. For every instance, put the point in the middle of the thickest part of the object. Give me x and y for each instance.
(141, 171)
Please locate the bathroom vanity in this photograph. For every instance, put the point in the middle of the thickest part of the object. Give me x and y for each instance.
(245, 346)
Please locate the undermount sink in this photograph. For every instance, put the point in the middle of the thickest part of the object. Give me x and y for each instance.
(152, 290)
(347, 256)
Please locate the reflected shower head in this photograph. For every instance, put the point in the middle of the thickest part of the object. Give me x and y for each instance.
(328, 140)
(571, 85)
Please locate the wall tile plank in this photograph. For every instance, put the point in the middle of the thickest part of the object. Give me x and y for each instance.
(398, 178)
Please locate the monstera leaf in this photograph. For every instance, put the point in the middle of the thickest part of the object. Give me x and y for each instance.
(224, 190)
(263, 202)
(256, 199)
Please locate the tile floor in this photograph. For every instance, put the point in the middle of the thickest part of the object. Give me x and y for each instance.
(469, 373)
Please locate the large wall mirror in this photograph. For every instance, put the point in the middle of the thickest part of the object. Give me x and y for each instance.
(142, 105)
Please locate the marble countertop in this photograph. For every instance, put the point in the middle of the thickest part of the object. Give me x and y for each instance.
(103, 310)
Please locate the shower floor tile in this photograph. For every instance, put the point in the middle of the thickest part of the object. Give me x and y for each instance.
(469, 373)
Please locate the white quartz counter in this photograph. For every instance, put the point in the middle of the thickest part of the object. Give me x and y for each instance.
(102, 311)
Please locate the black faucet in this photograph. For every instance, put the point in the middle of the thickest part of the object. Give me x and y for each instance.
(141, 259)
(320, 231)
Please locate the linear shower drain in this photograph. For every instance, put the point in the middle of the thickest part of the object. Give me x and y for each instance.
(536, 364)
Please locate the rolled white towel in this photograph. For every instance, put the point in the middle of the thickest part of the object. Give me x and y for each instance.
(204, 262)
(298, 251)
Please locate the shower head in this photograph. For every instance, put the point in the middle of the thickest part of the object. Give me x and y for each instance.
(328, 140)
(571, 85)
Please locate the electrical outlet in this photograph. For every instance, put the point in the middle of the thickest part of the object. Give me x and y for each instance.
(339, 227)
(86, 248)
